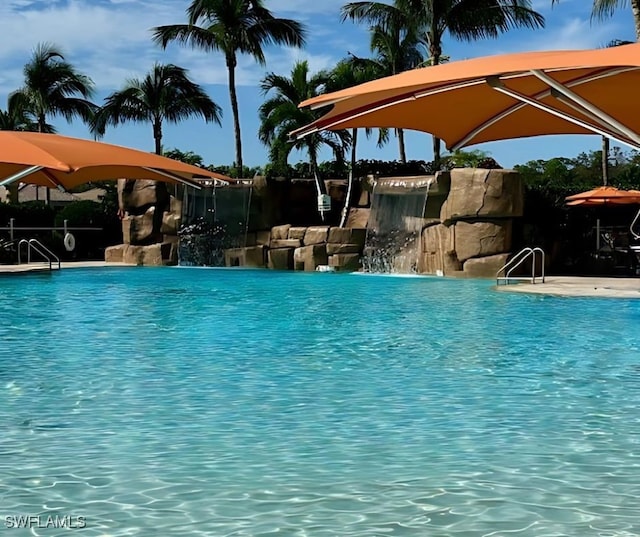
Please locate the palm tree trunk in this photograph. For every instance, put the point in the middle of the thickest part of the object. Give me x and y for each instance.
(605, 160)
(313, 158)
(157, 135)
(42, 122)
(231, 65)
(436, 51)
(635, 8)
(347, 200)
(401, 147)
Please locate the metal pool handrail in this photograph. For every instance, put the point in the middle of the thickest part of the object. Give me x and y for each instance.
(516, 261)
(35, 244)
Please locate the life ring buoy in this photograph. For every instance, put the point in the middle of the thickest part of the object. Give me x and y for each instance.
(69, 242)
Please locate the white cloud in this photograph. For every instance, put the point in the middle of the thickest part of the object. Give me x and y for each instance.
(110, 40)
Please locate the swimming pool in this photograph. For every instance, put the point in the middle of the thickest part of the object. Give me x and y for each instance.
(179, 401)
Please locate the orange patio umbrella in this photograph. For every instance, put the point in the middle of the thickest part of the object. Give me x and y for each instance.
(604, 195)
(499, 97)
(59, 161)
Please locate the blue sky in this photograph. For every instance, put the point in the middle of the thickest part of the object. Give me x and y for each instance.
(110, 40)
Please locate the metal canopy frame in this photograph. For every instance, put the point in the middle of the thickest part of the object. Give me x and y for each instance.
(16, 177)
(599, 122)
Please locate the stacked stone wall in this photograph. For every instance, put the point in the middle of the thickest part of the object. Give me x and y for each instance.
(289, 247)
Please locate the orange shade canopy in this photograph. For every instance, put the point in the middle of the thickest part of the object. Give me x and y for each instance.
(604, 195)
(59, 161)
(499, 97)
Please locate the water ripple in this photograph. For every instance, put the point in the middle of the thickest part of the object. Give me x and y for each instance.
(245, 403)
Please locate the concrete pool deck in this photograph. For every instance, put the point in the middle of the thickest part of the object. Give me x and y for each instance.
(586, 286)
(38, 268)
(578, 286)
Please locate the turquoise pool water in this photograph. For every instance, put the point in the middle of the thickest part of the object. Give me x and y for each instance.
(244, 403)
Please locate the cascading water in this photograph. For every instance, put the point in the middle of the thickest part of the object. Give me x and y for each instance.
(214, 219)
(395, 224)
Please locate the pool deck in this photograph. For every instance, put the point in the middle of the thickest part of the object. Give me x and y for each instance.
(36, 268)
(578, 286)
(554, 285)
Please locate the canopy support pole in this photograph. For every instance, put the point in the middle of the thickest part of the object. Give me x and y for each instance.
(583, 103)
(538, 96)
(54, 181)
(174, 177)
(20, 175)
(497, 84)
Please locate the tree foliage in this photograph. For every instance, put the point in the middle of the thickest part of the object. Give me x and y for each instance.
(280, 115)
(165, 94)
(232, 27)
(52, 87)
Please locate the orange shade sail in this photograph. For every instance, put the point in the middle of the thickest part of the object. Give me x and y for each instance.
(499, 97)
(604, 195)
(59, 161)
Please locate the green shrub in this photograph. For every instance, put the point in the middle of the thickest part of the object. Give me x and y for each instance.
(30, 213)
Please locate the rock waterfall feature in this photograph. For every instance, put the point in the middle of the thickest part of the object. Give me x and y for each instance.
(395, 224)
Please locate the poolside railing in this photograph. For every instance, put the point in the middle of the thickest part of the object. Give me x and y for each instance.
(517, 260)
(38, 247)
(65, 228)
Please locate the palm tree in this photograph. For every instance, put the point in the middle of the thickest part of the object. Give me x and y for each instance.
(53, 87)
(166, 93)
(232, 27)
(465, 20)
(13, 119)
(279, 115)
(397, 48)
(347, 73)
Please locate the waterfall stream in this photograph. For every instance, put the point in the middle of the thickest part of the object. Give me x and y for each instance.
(213, 219)
(395, 224)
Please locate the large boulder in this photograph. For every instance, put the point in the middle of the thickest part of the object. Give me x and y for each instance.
(485, 267)
(438, 254)
(132, 255)
(358, 217)
(285, 243)
(309, 257)
(175, 206)
(297, 233)
(339, 235)
(347, 235)
(280, 232)
(152, 255)
(170, 223)
(281, 259)
(115, 254)
(483, 193)
(438, 238)
(316, 235)
(136, 196)
(333, 248)
(252, 256)
(139, 229)
(479, 239)
(345, 262)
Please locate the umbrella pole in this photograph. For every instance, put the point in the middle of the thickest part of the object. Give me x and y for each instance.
(17, 176)
(597, 234)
